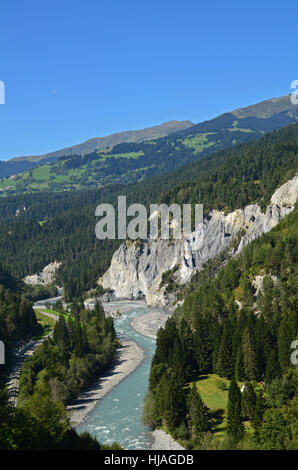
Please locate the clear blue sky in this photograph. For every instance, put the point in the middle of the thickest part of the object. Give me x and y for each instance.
(80, 69)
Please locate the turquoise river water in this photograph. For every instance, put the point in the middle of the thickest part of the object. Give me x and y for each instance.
(118, 416)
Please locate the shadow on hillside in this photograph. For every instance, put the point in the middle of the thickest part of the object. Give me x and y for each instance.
(217, 417)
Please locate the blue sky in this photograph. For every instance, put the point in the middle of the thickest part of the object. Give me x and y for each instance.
(74, 70)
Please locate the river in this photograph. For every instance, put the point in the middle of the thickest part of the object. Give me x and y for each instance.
(118, 416)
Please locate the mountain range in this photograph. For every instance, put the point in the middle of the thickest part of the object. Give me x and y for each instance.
(20, 164)
(134, 155)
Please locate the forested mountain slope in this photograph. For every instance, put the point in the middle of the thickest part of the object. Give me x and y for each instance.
(239, 323)
(21, 164)
(131, 162)
(40, 228)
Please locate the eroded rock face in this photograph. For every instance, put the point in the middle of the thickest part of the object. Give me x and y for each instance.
(44, 277)
(136, 269)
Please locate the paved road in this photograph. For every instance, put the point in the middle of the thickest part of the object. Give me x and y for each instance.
(51, 300)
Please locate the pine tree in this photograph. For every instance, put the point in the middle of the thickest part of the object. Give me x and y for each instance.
(258, 414)
(202, 350)
(274, 431)
(263, 345)
(162, 395)
(272, 368)
(225, 360)
(286, 334)
(175, 401)
(60, 334)
(239, 366)
(197, 413)
(250, 358)
(235, 428)
(189, 350)
(248, 401)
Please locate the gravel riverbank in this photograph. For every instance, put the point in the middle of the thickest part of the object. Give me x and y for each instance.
(129, 357)
(163, 441)
(149, 323)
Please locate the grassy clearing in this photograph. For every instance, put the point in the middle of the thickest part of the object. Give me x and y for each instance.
(46, 323)
(54, 312)
(123, 155)
(44, 320)
(233, 129)
(42, 173)
(214, 392)
(199, 142)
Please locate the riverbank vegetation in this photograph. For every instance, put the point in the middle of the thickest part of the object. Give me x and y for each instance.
(82, 347)
(43, 425)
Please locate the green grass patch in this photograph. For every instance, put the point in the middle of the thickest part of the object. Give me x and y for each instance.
(54, 312)
(198, 142)
(45, 321)
(123, 155)
(214, 392)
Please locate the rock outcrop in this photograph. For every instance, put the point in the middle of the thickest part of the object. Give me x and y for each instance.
(136, 268)
(44, 277)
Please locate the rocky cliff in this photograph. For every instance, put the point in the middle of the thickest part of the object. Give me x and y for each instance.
(136, 268)
(44, 277)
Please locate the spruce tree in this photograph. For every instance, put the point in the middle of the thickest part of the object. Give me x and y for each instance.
(235, 428)
(198, 414)
(258, 415)
(272, 368)
(239, 366)
(248, 401)
(250, 357)
(274, 431)
(286, 334)
(225, 360)
(175, 401)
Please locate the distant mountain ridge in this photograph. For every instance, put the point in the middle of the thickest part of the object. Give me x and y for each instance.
(101, 143)
(134, 155)
(18, 165)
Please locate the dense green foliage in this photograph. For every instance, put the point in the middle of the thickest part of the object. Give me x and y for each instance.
(225, 326)
(17, 318)
(61, 226)
(80, 349)
(124, 164)
(57, 371)
(210, 333)
(41, 425)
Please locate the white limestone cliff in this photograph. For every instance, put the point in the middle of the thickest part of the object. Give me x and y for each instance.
(44, 277)
(136, 268)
